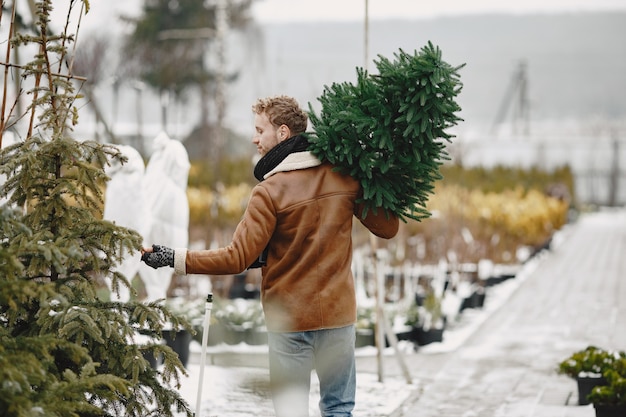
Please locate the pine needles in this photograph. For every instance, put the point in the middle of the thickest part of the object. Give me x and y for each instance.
(64, 351)
(389, 130)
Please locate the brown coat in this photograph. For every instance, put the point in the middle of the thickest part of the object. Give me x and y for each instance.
(306, 217)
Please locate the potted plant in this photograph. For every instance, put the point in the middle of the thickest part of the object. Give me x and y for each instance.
(242, 321)
(179, 338)
(365, 325)
(610, 400)
(413, 322)
(588, 367)
(433, 322)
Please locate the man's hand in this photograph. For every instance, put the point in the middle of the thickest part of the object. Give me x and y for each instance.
(158, 256)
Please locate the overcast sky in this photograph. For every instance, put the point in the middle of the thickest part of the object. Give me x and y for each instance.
(299, 10)
(104, 14)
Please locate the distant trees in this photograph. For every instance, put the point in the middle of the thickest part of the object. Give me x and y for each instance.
(90, 61)
(169, 46)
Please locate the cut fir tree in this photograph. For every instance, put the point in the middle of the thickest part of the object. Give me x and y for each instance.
(389, 130)
(64, 351)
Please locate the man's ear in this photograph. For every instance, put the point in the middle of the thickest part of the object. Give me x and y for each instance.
(284, 132)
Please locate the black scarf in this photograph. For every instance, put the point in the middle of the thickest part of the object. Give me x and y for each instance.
(278, 153)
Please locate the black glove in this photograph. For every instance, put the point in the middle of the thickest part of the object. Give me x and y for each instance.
(160, 256)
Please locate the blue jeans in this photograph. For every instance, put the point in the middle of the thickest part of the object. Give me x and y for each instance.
(292, 358)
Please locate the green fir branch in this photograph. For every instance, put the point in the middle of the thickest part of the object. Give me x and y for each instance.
(63, 351)
(389, 130)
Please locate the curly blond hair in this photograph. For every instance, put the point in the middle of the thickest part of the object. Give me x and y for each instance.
(283, 110)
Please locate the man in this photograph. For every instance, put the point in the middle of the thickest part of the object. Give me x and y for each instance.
(299, 219)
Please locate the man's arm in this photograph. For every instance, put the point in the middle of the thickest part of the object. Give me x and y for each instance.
(382, 223)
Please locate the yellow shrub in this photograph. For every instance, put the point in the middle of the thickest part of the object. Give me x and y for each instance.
(498, 223)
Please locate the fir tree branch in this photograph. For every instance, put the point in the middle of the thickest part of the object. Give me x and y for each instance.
(56, 74)
(6, 75)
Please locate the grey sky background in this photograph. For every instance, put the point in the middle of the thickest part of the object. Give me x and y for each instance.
(307, 10)
(103, 14)
(575, 58)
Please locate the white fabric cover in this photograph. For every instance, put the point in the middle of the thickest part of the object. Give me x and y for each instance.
(165, 188)
(125, 205)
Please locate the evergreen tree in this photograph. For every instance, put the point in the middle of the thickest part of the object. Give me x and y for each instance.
(64, 351)
(389, 130)
(169, 43)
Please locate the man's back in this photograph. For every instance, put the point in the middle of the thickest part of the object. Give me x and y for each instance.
(307, 283)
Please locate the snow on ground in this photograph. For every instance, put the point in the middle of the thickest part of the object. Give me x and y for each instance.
(243, 390)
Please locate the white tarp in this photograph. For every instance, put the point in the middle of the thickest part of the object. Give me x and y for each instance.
(165, 190)
(125, 205)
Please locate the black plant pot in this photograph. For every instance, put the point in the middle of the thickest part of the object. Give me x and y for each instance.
(216, 334)
(586, 384)
(491, 281)
(365, 337)
(476, 300)
(149, 356)
(233, 334)
(256, 337)
(179, 342)
(479, 298)
(610, 410)
(426, 337)
(410, 335)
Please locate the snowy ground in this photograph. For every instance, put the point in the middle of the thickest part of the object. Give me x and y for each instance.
(243, 390)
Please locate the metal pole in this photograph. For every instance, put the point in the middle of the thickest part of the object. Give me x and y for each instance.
(221, 25)
(366, 40)
(208, 305)
(380, 300)
(382, 326)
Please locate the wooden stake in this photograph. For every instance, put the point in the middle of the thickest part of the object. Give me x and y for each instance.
(382, 327)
